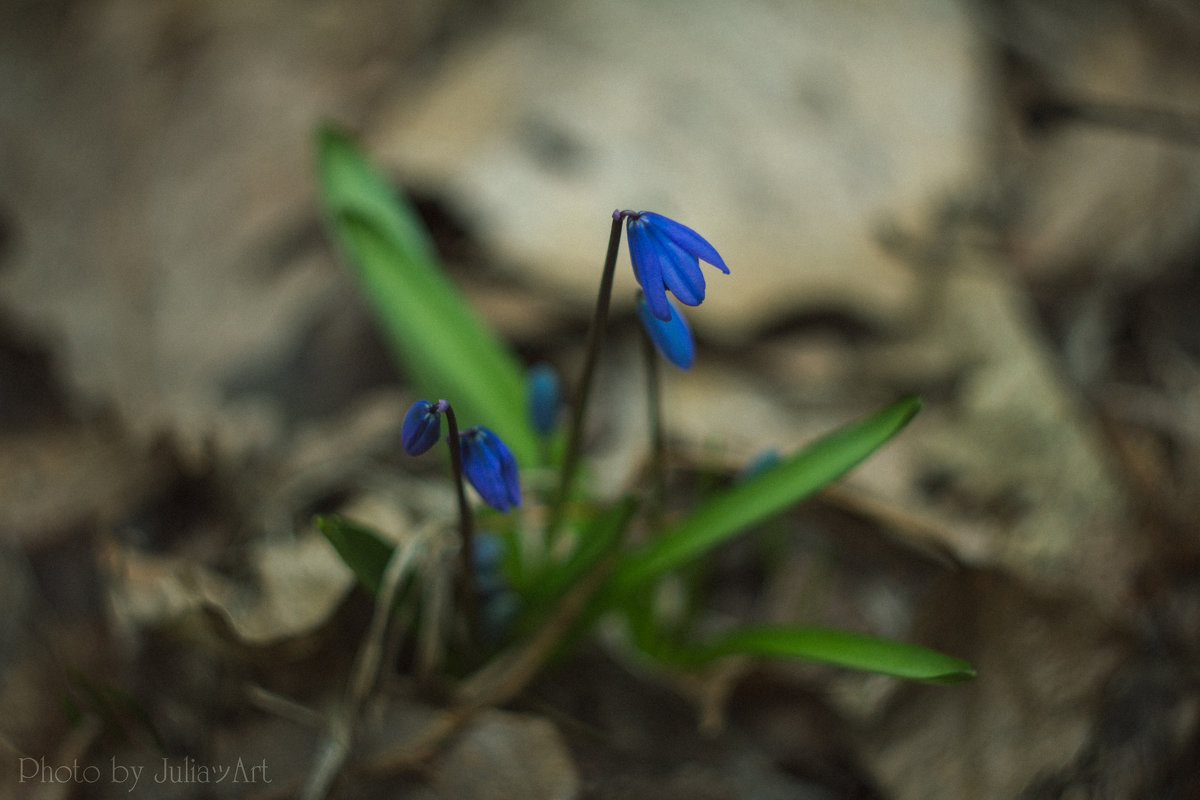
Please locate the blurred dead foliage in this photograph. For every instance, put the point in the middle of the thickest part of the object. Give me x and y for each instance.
(994, 205)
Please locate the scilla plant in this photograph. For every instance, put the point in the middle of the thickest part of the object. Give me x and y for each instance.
(565, 560)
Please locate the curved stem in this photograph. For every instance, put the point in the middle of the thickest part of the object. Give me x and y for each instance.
(595, 342)
(466, 524)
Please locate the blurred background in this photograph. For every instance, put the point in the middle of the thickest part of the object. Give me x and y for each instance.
(995, 205)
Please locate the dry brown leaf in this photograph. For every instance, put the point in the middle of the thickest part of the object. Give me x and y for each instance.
(786, 134)
(298, 584)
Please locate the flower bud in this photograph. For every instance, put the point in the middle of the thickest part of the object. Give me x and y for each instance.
(491, 468)
(421, 428)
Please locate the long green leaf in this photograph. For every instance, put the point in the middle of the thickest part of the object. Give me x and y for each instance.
(843, 649)
(444, 346)
(767, 493)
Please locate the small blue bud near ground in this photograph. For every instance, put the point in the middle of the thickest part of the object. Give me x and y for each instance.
(760, 463)
(672, 337)
(666, 257)
(497, 613)
(498, 603)
(421, 427)
(545, 397)
(486, 559)
(489, 466)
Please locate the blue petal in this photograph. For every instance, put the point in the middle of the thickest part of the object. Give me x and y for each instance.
(673, 338)
(508, 471)
(482, 469)
(687, 239)
(681, 271)
(646, 255)
(491, 468)
(421, 427)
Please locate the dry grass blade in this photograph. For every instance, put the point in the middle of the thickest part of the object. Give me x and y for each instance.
(339, 735)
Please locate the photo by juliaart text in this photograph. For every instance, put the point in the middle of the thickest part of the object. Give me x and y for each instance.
(168, 770)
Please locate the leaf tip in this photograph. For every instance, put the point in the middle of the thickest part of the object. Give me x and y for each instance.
(959, 675)
(330, 133)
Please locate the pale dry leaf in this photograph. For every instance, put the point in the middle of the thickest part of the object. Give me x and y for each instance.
(502, 755)
(297, 586)
(1043, 665)
(1029, 486)
(158, 169)
(1095, 199)
(786, 134)
(55, 479)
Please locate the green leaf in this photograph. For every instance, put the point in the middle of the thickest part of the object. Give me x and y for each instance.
(601, 537)
(363, 550)
(840, 648)
(771, 491)
(446, 349)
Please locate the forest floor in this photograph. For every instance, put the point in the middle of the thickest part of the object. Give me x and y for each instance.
(997, 210)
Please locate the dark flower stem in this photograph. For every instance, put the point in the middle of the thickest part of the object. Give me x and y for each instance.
(594, 343)
(658, 442)
(466, 524)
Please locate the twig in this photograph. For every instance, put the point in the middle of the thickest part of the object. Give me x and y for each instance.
(283, 707)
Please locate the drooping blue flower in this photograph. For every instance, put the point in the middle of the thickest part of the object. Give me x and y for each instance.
(545, 397)
(666, 257)
(421, 427)
(491, 468)
(673, 338)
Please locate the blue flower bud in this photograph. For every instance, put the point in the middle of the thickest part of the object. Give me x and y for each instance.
(497, 614)
(673, 338)
(666, 257)
(491, 468)
(421, 428)
(761, 462)
(498, 603)
(487, 556)
(545, 397)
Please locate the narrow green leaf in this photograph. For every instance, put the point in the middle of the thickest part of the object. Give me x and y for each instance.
(843, 649)
(771, 491)
(363, 550)
(444, 346)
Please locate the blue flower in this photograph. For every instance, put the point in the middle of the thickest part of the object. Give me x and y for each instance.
(490, 467)
(672, 337)
(422, 426)
(545, 397)
(666, 257)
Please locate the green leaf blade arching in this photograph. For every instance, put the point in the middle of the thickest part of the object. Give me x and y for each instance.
(445, 347)
(843, 649)
(767, 493)
(363, 550)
